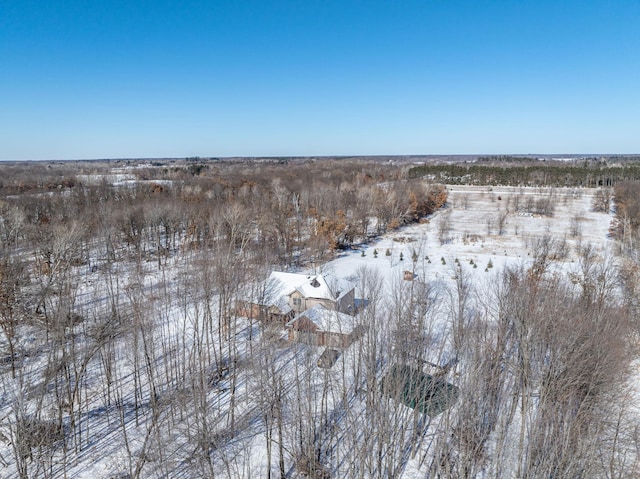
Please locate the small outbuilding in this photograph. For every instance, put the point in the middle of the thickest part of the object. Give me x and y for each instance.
(328, 358)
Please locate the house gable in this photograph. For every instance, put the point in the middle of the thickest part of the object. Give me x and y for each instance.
(324, 327)
(302, 323)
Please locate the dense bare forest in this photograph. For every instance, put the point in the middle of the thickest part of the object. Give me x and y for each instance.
(514, 171)
(123, 353)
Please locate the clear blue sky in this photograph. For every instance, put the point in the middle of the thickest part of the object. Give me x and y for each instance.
(159, 78)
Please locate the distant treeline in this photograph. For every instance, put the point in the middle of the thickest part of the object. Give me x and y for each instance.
(586, 174)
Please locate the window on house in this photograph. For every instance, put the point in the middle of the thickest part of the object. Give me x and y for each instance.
(297, 301)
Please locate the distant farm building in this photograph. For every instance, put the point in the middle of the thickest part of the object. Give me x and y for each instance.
(409, 275)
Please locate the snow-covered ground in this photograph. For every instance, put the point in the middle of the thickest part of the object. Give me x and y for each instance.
(482, 230)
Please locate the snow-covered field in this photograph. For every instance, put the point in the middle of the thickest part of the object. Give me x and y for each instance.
(471, 233)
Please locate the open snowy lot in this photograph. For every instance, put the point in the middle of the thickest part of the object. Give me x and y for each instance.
(482, 225)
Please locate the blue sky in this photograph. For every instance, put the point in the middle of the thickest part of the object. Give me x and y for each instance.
(159, 78)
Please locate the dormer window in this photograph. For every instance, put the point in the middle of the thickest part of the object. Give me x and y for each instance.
(315, 283)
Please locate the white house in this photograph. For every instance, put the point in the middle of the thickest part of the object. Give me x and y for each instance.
(284, 295)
